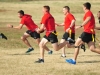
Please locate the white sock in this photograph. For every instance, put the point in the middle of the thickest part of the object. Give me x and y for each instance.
(74, 60)
(30, 47)
(63, 55)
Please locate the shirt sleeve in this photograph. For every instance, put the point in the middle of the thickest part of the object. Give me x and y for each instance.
(89, 14)
(71, 17)
(44, 19)
(22, 21)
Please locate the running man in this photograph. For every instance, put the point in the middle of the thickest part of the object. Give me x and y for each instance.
(32, 30)
(69, 27)
(98, 15)
(48, 22)
(88, 35)
(98, 28)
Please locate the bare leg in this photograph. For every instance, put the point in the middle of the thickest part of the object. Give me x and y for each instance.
(24, 39)
(57, 46)
(45, 47)
(77, 43)
(92, 47)
(63, 49)
(42, 45)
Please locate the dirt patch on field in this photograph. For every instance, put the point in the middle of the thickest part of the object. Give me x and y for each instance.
(3, 10)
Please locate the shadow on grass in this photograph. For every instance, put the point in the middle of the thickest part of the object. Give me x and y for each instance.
(93, 61)
(21, 54)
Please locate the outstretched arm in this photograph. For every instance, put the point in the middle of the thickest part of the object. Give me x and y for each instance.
(17, 27)
(59, 24)
(84, 23)
(98, 28)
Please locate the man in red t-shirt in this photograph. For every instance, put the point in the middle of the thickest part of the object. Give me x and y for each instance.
(48, 23)
(32, 30)
(98, 15)
(69, 28)
(88, 35)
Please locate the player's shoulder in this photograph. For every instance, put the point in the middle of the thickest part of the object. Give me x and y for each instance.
(89, 12)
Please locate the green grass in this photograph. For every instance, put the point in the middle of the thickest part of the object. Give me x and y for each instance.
(12, 58)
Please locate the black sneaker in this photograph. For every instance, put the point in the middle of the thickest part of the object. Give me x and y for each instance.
(3, 36)
(71, 40)
(50, 52)
(29, 50)
(83, 47)
(40, 61)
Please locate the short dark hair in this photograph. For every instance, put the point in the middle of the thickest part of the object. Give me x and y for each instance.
(87, 5)
(98, 11)
(21, 12)
(47, 7)
(67, 7)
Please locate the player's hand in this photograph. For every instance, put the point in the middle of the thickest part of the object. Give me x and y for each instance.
(67, 30)
(77, 27)
(37, 30)
(10, 26)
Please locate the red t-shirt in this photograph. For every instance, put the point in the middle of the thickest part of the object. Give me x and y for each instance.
(91, 24)
(49, 22)
(68, 19)
(27, 20)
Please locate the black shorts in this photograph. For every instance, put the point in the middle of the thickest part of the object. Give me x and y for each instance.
(34, 34)
(66, 35)
(87, 37)
(52, 38)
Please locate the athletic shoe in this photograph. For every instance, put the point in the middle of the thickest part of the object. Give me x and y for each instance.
(40, 61)
(3, 36)
(83, 47)
(50, 52)
(71, 40)
(64, 56)
(70, 61)
(29, 50)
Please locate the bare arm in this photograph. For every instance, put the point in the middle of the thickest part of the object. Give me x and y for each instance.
(98, 28)
(17, 27)
(39, 30)
(72, 23)
(86, 21)
(59, 24)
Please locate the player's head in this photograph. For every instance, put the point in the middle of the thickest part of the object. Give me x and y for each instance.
(66, 9)
(98, 15)
(46, 8)
(86, 6)
(20, 13)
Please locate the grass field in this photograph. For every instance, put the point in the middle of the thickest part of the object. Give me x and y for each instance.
(14, 61)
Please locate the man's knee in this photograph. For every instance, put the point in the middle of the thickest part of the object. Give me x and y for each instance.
(92, 49)
(56, 49)
(41, 44)
(23, 38)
